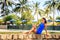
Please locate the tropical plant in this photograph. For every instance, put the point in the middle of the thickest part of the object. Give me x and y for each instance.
(47, 11)
(1, 21)
(7, 18)
(21, 6)
(58, 8)
(4, 8)
(58, 17)
(37, 10)
(27, 16)
(10, 17)
(18, 22)
(52, 5)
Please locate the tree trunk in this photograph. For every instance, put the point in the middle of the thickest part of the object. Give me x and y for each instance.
(22, 19)
(37, 17)
(53, 17)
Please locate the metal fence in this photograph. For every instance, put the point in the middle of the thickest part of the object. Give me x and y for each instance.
(28, 27)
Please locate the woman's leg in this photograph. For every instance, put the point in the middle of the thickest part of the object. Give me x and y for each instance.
(33, 29)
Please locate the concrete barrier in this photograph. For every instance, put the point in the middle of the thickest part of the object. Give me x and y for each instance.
(3, 26)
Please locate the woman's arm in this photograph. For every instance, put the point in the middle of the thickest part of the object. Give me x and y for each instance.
(46, 28)
(47, 35)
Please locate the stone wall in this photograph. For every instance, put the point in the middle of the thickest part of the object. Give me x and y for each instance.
(28, 37)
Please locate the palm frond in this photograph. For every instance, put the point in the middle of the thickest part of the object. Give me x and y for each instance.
(47, 2)
(23, 1)
(58, 7)
(1, 2)
(2, 6)
(16, 9)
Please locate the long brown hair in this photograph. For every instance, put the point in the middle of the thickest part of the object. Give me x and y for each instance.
(45, 20)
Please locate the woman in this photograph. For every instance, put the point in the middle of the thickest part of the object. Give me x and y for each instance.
(41, 27)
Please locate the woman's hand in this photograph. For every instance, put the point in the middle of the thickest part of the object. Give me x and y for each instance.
(47, 35)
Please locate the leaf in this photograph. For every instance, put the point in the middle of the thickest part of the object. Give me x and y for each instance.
(58, 7)
(22, 1)
(17, 8)
(47, 2)
(1, 2)
(2, 6)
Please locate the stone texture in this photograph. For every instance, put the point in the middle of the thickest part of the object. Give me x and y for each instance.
(15, 36)
(28, 37)
(4, 36)
(21, 37)
(9, 36)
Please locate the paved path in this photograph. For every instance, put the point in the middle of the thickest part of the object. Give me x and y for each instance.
(15, 30)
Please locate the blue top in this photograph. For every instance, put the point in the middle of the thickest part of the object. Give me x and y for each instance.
(40, 28)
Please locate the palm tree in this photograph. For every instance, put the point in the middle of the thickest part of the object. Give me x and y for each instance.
(47, 11)
(58, 7)
(21, 7)
(52, 5)
(37, 10)
(5, 5)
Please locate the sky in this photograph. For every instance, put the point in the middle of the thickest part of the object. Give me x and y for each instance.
(40, 6)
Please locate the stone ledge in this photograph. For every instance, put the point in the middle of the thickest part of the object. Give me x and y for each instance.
(28, 37)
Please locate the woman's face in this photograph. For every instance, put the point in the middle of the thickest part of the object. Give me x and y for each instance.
(43, 21)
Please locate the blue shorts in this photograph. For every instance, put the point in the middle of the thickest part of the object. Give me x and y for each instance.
(39, 32)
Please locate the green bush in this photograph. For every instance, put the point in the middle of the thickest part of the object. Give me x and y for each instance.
(7, 18)
(1, 21)
(12, 16)
(18, 22)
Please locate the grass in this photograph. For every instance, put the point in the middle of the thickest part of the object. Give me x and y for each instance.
(52, 33)
(21, 33)
(55, 33)
(10, 32)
